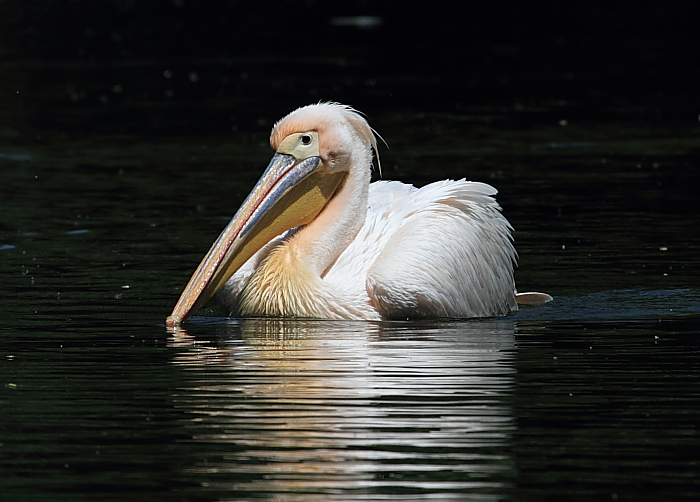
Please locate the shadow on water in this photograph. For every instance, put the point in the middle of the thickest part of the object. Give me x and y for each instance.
(629, 305)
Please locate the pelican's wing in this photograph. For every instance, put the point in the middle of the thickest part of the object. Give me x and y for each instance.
(388, 205)
(446, 250)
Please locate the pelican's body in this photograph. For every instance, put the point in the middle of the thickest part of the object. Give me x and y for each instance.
(440, 251)
(315, 239)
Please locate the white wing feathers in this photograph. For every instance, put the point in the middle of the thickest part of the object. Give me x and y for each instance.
(443, 250)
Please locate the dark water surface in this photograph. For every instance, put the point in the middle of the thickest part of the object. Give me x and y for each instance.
(116, 177)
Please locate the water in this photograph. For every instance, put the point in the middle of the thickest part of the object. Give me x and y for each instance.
(115, 179)
(313, 410)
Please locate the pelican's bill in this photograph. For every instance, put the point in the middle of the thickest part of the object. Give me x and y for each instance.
(290, 193)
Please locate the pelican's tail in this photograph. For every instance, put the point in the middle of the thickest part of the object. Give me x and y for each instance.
(532, 298)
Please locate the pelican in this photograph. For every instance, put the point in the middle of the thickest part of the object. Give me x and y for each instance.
(314, 239)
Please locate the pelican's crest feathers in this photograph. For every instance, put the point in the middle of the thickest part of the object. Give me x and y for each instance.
(324, 118)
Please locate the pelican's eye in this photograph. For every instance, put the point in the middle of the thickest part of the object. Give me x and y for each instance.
(301, 145)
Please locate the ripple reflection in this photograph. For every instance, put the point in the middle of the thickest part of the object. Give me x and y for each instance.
(298, 408)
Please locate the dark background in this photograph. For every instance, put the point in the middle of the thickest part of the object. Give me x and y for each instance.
(595, 58)
(597, 32)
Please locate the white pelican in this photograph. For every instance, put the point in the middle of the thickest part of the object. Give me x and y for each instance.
(315, 239)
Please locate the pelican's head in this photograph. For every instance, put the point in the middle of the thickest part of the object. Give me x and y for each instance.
(315, 148)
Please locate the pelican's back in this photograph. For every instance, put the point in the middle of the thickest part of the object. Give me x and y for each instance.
(444, 250)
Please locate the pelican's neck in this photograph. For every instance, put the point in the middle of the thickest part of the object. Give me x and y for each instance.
(319, 244)
(289, 282)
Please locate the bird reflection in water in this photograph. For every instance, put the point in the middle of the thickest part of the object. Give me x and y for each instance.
(302, 407)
